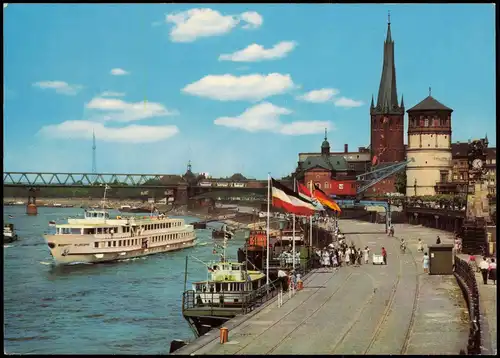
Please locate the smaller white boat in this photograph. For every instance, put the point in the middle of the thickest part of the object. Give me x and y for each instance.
(8, 234)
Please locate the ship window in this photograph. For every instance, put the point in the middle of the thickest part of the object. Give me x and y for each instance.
(114, 243)
(96, 245)
(217, 287)
(119, 242)
(109, 243)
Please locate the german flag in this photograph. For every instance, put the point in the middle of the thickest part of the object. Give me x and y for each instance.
(325, 200)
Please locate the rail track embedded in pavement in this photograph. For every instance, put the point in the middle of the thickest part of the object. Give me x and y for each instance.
(293, 311)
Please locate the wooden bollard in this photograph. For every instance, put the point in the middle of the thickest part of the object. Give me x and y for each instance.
(224, 335)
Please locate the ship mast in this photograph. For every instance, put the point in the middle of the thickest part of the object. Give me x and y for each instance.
(106, 187)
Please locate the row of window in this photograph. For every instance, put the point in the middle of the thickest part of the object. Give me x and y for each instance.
(162, 238)
(116, 243)
(133, 242)
(340, 185)
(162, 225)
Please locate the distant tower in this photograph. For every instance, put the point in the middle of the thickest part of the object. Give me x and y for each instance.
(325, 146)
(429, 144)
(94, 164)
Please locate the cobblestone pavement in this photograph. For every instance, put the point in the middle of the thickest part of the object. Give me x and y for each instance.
(370, 309)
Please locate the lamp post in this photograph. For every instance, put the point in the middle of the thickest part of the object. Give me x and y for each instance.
(415, 187)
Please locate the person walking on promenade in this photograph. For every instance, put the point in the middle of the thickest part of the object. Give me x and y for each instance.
(335, 263)
(425, 262)
(420, 246)
(484, 266)
(384, 255)
(366, 253)
(353, 255)
(359, 256)
(283, 279)
(492, 271)
(347, 256)
(438, 241)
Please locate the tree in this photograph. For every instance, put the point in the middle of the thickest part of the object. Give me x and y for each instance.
(287, 177)
(401, 182)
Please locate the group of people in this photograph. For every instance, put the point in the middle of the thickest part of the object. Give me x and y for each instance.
(487, 267)
(335, 255)
(286, 258)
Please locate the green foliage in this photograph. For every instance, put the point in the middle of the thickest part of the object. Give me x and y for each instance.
(400, 182)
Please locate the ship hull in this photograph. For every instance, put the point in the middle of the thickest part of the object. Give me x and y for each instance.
(62, 258)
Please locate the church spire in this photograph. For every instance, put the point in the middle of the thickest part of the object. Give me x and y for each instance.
(389, 37)
(387, 92)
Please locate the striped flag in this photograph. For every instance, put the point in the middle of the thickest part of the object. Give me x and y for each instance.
(306, 194)
(290, 201)
(325, 200)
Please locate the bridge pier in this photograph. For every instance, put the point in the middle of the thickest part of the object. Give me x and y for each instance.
(181, 195)
(31, 208)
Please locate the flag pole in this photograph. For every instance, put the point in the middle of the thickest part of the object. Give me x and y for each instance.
(293, 226)
(310, 221)
(268, 228)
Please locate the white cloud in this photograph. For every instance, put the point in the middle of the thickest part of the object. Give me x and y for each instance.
(255, 52)
(266, 117)
(306, 127)
(112, 94)
(118, 72)
(195, 23)
(233, 88)
(319, 96)
(112, 109)
(347, 102)
(81, 129)
(253, 20)
(60, 87)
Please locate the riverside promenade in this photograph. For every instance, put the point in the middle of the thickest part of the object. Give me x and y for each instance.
(371, 309)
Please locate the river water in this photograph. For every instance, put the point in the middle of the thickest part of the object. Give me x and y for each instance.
(128, 307)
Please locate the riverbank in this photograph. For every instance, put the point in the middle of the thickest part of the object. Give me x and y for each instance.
(236, 216)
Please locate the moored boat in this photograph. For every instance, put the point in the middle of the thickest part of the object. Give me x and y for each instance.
(134, 209)
(9, 234)
(231, 289)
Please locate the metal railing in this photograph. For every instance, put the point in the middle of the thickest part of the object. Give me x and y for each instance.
(466, 278)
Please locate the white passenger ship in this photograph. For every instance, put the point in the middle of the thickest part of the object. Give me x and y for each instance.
(99, 238)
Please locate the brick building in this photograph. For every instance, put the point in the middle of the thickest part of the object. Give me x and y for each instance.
(332, 172)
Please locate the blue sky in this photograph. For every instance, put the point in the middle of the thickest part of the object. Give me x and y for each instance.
(227, 86)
